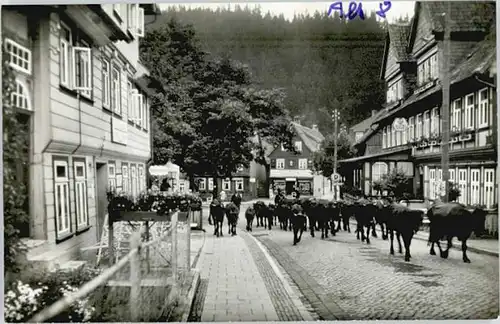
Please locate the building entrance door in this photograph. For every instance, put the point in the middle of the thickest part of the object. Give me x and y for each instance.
(289, 187)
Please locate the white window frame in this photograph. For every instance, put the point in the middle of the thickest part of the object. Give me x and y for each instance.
(432, 183)
(130, 101)
(384, 137)
(82, 55)
(474, 186)
(62, 217)
(65, 56)
(456, 114)
(389, 136)
(239, 182)
(280, 164)
(226, 184)
(434, 67)
(411, 126)
(469, 112)
(302, 164)
(452, 175)
(427, 123)
(298, 146)
(133, 180)
(138, 102)
(462, 184)
(404, 136)
(111, 176)
(182, 186)
(20, 97)
(393, 136)
(81, 210)
(142, 180)
(489, 187)
(132, 18)
(20, 61)
(125, 179)
(140, 22)
(435, 121)
(418, 126)
(202, 184)
(106, 84)
(116, 91)
(144, 108)
(483, 108)
(210, 184)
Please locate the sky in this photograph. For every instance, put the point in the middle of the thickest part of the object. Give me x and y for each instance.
(288, 9)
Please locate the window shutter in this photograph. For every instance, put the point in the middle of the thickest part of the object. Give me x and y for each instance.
(140, 22)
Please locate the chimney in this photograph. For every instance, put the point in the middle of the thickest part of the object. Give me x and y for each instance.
(373, 112)
(314, 127)
(296, 119)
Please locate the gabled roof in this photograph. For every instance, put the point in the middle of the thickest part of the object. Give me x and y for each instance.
(311, 138)
(396, 40)
(465, 16)
(364, 124)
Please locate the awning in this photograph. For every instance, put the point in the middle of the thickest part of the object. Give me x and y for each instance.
(376, 155)
(148, 84)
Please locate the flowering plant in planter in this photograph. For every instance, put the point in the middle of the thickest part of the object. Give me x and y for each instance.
(434, 139)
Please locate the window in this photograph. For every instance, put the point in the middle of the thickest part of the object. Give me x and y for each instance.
(427, 123)
(428, 70)
(404, 136)
(61, 198)
(138, 108)
(142, 179)
(106, 94)
(202, 184)
(116, 91)
(435, 121)
(484, 109)
(19, 56)
(395, 91)
(298, 146)
(111, 176)
(210, 184)
(130, 101)
(125, 181)
(419, 126)
(65, 55)
(474, 186)
(302, 164)
(133, 180)
(469, 112)
(359, 135)
(393, 136)
(182, 186)
(20, 97)
(82, 74)
(389, 140)
(82, 219)
(280, 163)
(384, 137)
(432, 183)
(434, 67)
(489, 187)
(132, 17)
(398, 138)
(238, 184)
(226, 184)
(144, 113)
(456, 114)
(140, 22)
(411, 127)
(462, 185)
(452, 175)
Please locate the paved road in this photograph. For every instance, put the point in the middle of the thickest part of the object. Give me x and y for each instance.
(343, 278)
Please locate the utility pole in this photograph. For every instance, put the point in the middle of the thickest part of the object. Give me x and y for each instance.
(335, 116)
(444, 63)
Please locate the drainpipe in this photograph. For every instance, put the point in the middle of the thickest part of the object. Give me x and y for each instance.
(79, 123)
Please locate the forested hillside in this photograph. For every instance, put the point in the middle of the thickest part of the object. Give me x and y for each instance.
(322, 62)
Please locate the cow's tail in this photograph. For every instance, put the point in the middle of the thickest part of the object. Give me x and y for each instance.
(429, 217)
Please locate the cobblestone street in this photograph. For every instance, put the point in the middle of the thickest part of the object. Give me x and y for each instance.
(346, 279)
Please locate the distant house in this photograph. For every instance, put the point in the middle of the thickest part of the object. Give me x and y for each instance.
(289, 170)
(357, 131)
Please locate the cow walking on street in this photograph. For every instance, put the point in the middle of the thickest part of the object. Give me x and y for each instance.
(250, 215)
(453, 220)
(232, 212)
(217, 213)
(299, 223)
(364, 212)
(405, 223)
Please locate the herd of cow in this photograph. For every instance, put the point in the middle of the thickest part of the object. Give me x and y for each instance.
(298, 215)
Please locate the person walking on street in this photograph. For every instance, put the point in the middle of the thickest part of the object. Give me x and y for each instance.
(236, 199)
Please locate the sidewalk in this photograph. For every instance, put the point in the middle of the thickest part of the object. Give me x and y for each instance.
(480, 246)
(236, 289)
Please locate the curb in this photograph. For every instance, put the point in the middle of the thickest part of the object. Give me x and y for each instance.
(190, 295)
(469, 248)
(295, 299)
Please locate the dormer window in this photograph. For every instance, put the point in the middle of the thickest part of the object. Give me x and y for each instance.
(428, 70)
(395, 91)
(298, 146)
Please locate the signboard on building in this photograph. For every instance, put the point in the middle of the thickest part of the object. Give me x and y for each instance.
(400, 124)
(118, 131)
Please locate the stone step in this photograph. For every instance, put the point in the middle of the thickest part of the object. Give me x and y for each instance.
(35, 247)
(52, 259)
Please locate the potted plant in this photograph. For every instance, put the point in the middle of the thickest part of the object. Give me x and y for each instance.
(465, 136)
(434, 139)
(454, 134)
(423, 142)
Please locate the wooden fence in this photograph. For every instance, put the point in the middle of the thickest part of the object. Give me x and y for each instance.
(135, 272)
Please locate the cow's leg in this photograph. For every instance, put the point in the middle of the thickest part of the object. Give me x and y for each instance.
(333, 230)
(295, 238)
(432, 252)
(383, 228)
(445, 253)
(374, 232)
(216, 228)
(357, 231)
(464, 252)
(270, 222)
(391, 235)
(398, 237)
(368, 233)
(348, 225)
(407, 242)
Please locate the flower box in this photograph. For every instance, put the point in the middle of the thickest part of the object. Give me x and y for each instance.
(433, 143)
(465, 137)
(454, 139)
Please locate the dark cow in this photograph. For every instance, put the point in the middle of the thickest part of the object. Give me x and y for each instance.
(405, 222)
(333, 211)
(217, 213)
(454, 220)
(250, 215)
(232, 212)
(364, 212)
(284, 213)
(299, 223)
(320, 209)
(381, 217)
(257, 207)
(265, 213)
(346, 212)
(308, 206)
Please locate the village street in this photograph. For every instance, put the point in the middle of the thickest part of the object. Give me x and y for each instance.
(342, 278)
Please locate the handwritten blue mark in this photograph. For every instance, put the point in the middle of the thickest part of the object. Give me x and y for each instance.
(356, 9)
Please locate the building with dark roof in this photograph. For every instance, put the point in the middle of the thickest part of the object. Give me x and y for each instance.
(410, 69)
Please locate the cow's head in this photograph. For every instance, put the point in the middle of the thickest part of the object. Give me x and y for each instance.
(478, 218)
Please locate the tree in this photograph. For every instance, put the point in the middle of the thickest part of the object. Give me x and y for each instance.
(323, 159)
(14, 189)
(396, 183)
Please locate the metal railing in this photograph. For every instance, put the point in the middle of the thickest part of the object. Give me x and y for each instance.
(151, 276)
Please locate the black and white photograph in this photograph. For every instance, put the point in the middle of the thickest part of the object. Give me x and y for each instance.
(250, 161)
